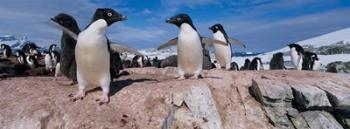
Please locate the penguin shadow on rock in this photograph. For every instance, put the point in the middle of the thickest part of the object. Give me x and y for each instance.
(118, 85)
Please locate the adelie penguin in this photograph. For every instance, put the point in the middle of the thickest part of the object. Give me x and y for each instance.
(6, 50)
(277, 61)
(256, 64)
(310, 61)
(189, 46)
(67, 65)
(246, 65)
(296, 54)
(21, 57)
(68, 43)
(92, 53)
(223, 54)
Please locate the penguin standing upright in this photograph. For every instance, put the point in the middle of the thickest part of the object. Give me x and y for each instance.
(7, 52)
(68, 65)
(296, 54)
(316, 64)
(310, 61)
(189, 46)
(48, 62)
(21, 57)
(277, 61)
(223, 54)
(92, 53)
(256, 64)
(246, 64)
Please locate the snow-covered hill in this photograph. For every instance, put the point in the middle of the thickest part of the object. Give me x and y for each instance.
(339, 36)
(342, 35)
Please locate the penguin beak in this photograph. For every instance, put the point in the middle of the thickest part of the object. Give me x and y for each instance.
(122, 18)
(210, 28)
(170, 20)
(54, 19)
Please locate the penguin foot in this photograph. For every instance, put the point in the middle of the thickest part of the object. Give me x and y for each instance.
(196, 76)
(104, 99)
(77, 96)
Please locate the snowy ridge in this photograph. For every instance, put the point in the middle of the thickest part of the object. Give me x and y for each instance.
(342, 35)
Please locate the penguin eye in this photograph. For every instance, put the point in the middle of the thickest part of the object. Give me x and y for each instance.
(109, 14)
(178, 19)
(216, 27)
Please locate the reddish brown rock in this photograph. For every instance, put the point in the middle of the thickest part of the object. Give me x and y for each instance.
(143, 100)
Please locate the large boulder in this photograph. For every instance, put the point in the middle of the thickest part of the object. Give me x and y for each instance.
(152, 98)
(321, 120)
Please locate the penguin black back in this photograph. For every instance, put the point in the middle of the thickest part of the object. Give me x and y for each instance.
(234, 66)
(246, 64)
(67, 60)
(277, 61)
(255, 64)
(308, 60)
(6, 50)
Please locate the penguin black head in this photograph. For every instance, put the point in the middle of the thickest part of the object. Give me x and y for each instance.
(297, 47)
(4, 46)
(109, 15)
(179, 19)
(217, 27)
(52, 47)
(67, 21)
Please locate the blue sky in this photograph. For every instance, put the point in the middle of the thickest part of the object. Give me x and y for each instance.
(263, 25)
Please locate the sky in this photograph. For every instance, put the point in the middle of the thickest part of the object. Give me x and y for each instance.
(263, 25)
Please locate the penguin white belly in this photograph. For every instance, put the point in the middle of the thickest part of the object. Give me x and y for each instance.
(189, 50)
(4, 53)
(222, 53)
(294, 56)
(48, 62)
(20, 60)
(92, 58)
(316, 65)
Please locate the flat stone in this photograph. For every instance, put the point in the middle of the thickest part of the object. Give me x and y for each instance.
(309, 97)
(321, 120)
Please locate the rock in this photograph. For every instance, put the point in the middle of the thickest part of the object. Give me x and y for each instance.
(170, 61)
(309, 97)
(338, 67)
(272, 92)
(321, 120)
(152, 98)
(338, 93)
(198, 110)
(297, 119)
(343, 118)
(277, 96)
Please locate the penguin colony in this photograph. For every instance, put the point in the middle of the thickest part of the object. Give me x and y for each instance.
(87, 57)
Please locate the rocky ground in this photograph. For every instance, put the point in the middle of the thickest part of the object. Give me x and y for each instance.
(151, 98)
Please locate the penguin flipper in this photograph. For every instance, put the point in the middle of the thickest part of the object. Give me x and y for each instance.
(236, 42)
(65, 30)
(120, 48)
(171, 42)
(207, 42)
